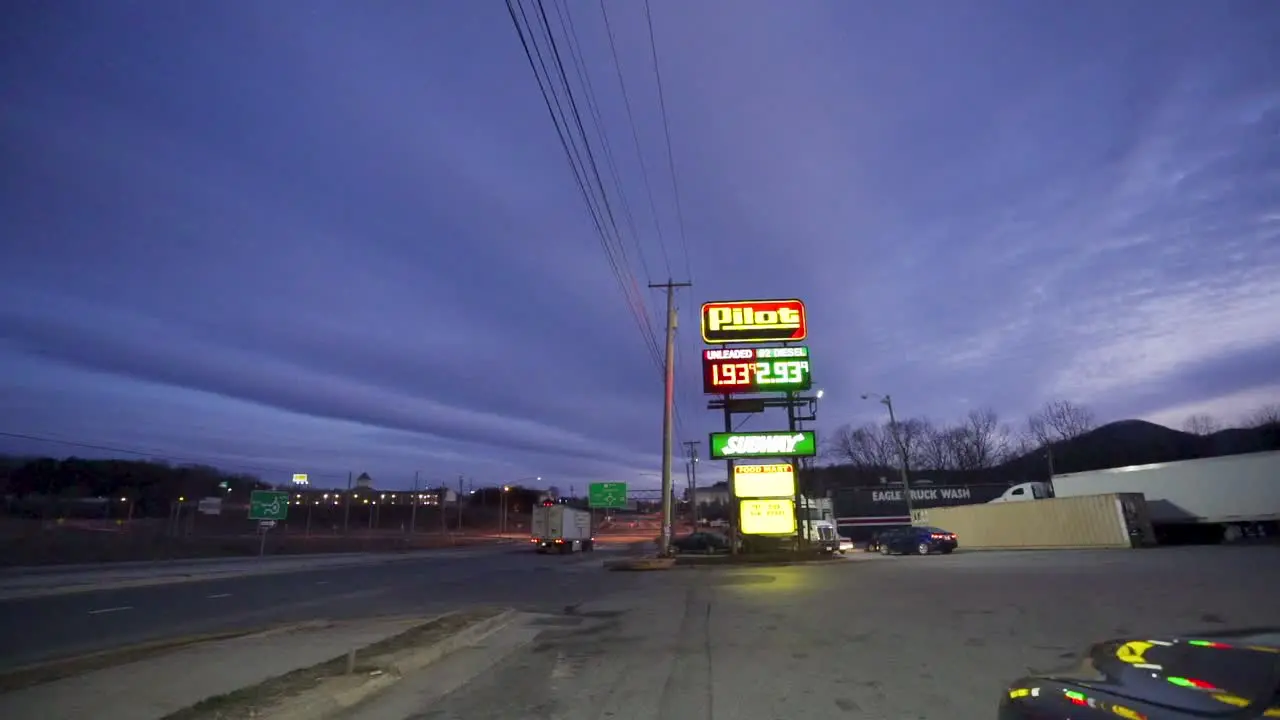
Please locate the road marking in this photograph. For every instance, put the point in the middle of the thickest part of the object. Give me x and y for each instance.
(111, 610)
(219, 595)
(322, 582)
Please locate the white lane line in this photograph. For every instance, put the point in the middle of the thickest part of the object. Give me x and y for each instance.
(111, 610)
(219, 595)
(322, 582)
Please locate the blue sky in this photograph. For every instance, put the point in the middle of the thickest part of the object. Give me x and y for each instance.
(336, 236)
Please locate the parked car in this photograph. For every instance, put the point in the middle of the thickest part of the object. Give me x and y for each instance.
(846, 545)
(701, 542)
(917, 541)
(1228, 675)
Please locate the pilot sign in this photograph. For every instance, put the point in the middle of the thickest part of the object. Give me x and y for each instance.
(727, 371)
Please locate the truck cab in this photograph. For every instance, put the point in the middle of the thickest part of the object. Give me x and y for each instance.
(1022, 492)
(818, 524)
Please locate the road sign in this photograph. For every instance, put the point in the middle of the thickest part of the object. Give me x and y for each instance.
(607, 495)
(268, 505)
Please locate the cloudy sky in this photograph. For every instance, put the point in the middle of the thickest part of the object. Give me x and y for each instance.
(344, 236)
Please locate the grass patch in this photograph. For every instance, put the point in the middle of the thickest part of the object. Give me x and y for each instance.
(251, 701)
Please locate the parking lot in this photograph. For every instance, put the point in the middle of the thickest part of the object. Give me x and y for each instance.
(867, 636)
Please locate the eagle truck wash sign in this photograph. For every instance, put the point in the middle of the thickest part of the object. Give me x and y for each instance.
(732, 445)
(751, 321)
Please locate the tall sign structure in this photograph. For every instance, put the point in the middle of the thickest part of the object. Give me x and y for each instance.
(756, 363)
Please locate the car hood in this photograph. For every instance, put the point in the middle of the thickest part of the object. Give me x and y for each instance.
(1221, 675)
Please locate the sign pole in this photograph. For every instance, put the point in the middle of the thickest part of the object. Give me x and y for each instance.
(262, 542)
(668, 414)
(735, 506)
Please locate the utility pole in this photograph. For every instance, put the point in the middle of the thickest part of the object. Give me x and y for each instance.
(668, 412)
(691, 450)
(460, 488)
(346, 508)
(413, 509)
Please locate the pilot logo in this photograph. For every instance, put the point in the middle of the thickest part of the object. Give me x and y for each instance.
(753, 321)
(801, 443)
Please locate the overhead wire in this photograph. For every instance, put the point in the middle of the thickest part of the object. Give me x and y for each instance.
(582, 162)
(666, 134)
(644, 174)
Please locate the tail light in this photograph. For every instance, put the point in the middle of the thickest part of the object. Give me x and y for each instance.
(559, 541)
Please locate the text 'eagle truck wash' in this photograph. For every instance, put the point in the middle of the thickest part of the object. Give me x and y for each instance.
(769, 509)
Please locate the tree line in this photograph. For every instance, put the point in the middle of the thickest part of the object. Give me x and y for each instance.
(1059, 437)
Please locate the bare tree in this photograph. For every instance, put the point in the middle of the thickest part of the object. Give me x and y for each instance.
(868, 446)
(1201, 424)
(1264, 416)
(936, 449)
(981, 441)
(1059, 420)
(913, 435)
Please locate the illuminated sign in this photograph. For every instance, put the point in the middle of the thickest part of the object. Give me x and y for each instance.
(768, 517)
(300, 479)
(729, 445)
(764, 481)
(747, 321)
(753, 370)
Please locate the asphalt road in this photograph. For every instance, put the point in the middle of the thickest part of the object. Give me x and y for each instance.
(871, 637)
(40, 629)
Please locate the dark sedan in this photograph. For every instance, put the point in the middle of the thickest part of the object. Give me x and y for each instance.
(701, 542)
(916, 541)
(1230, 675)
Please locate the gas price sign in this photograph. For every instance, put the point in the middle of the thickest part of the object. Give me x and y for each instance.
(726, 371)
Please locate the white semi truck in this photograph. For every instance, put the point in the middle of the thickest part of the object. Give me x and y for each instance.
(1205, 499)
(561, 528)
(818, 524)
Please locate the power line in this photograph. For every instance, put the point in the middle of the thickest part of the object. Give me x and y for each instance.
(635, 137)
(583, 171)
(666, 133)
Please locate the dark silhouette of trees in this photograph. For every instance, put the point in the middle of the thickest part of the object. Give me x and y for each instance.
(1060, 437)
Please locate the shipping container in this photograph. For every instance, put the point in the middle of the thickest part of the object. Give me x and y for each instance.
(1116, 520)
(561, 528)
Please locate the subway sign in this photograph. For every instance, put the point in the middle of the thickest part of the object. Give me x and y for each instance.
(753, 321)
(732, 445)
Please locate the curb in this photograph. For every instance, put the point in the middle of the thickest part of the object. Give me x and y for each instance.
(324, 703)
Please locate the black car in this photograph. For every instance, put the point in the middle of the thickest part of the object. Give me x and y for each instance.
(1233, 676)
(701, 542)
(916, 541)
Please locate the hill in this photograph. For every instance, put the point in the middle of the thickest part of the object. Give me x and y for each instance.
(1117, 444)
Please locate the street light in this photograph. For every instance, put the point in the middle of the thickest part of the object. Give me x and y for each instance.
(502, 503)
(887, 401)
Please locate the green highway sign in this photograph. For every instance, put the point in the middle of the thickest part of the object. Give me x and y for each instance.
(732, 445)
(607, 495)
(268, 505)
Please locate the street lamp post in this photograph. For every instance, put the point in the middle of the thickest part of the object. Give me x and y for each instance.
(502, 503)
(502, 511)
(887, 401)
